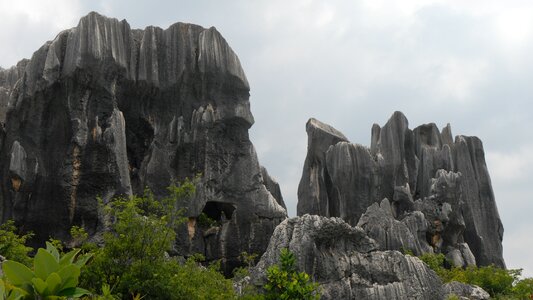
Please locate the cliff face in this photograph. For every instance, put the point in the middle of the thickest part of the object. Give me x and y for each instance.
(436, 192)
(105, 110)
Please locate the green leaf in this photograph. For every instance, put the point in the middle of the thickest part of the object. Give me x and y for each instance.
(74, 292)
(17, 273)
(52, 250)
(69, 276)
(39, 285)
(54, 283)
(44, 264)
(68, 258)
(83, 259)
(16, 294)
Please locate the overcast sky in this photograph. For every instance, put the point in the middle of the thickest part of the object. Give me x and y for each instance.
(351, 64)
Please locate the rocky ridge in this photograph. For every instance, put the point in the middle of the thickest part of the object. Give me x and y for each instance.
(416, 190)
(106, 110)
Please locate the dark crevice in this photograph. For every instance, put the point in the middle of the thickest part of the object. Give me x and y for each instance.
(219, 211)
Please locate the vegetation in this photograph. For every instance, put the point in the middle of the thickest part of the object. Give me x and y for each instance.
(285, 282)
(134, 261)
(12, 246)
(498, 282)
(205, 221)
(53, 276)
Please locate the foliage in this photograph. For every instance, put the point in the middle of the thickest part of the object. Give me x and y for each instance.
(53, 276)
(205, 221)
(499, 283)
(523, 289)
(12, 245)
(192, 281)
(78, 234)
(285, 282)
(436, 263)
(248, 260)
(134, 260)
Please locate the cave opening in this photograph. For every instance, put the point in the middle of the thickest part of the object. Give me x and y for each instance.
(219, 211)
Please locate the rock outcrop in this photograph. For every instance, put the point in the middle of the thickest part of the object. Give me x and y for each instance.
(438, 192)
(347, 263)
(466, 291)
(106, 110)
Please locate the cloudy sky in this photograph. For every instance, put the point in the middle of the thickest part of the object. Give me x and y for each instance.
(351, 64)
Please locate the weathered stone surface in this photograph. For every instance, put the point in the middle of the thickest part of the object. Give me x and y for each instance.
(8, 79)
(272, 186)
(391, 234)
(421, 170)
(465, 291)
(105, 110)
(347, 263)
(312, 186)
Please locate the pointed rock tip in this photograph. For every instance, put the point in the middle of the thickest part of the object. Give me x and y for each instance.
(398, 115)
(314, 124)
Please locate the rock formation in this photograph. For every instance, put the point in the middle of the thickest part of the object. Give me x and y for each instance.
(105, 110)
(415, 189)
(347, 263)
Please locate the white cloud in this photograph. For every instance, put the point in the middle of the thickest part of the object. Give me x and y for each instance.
(512, 165)
(27, 24)
(517, 250)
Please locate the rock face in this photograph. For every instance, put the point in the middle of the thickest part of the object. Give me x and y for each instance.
(105, 110)
(347, 263)
(438, 192)
(466, 291)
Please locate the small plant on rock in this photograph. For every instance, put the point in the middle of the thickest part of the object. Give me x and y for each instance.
(285, 282)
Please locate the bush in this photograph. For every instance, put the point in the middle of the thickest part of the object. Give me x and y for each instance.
(285, 282)
(12, 245)
(498, 282)
(134, 260)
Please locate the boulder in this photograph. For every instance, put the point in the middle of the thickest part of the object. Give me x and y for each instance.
(465, 291)
(347, 263)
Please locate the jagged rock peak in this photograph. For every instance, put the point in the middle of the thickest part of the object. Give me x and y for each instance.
(439, 190)
(157, 56)
(106, 110)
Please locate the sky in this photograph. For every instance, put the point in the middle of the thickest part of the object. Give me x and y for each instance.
(351, 64)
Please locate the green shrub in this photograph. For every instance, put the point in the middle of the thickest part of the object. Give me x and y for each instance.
(285, 282)
(12, 245)
(523, 289)
(498, 282)
(205, 221)
(53, 276)
(134, 260)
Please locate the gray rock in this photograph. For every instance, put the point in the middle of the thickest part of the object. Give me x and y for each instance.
(272, 186)
(347, 263)
(420, 170)
(484, 229)
(106, 110)
(8, 79)
(465, 291)
(409, 234)
(312, 186)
